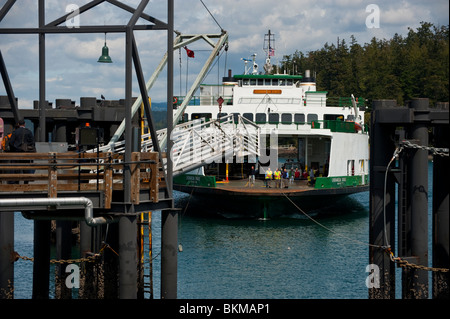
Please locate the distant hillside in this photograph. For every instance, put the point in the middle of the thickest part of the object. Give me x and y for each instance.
(400, 68)
(159, 106)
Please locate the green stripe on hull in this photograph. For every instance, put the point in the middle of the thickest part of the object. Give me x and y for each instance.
(340, 181)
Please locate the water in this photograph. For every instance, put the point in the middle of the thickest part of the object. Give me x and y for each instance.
(291, 258)
(280, 258)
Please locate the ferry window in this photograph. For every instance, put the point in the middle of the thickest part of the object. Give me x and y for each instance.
(200, 115)
(260, 118)
(252, 82)
(235, 117)
(260, 81)
(248, 116)
(286, 118)
(267, 82)
(351, 168)
(333, 117)
(299, 118)
(185, 117)
(312, 117)
(274, 118)
(289, 82)
(245, 82)
(282, 82)
(274, 82)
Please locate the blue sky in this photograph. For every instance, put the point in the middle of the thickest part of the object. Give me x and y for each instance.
(304, 25)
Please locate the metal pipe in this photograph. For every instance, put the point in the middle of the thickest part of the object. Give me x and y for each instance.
(66, 201)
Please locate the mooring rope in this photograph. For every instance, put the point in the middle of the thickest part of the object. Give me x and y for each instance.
(330, 230)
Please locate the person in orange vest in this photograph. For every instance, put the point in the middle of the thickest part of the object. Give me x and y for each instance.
(277, 175)
(5, 143)
(268, 177)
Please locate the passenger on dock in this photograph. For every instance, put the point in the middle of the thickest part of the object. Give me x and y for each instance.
(268, 177)
(251, 177)
(285, 179)
(22, 141)
(291, 176)
(297, 174)
(312, 178)
(277, 175)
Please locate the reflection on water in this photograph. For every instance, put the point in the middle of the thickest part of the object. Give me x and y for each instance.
(278, 258)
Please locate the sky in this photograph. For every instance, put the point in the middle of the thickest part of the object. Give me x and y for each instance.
(303, 25)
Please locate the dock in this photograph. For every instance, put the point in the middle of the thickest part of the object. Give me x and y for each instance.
(110, 195)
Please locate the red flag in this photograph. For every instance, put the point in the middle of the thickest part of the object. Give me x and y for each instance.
(189, 53)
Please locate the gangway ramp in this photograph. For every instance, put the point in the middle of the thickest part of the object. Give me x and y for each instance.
(202, 141)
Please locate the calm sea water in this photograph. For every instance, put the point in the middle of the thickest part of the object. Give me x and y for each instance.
(292, 258)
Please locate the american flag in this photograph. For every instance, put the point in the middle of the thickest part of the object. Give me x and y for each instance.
(271, 52)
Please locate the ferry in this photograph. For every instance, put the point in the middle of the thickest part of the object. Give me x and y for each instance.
(320, 141)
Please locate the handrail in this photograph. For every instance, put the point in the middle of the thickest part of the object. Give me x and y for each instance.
(53, 172)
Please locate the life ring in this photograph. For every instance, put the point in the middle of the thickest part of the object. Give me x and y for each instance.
(175, 100)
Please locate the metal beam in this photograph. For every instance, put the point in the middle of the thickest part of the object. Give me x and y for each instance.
(6, 255)
(82, 9)
(416, 286)
(382, 203)
(81, 29)
(200, 77)
(180, 41)
(9, 89)
(4, 10)
(42, 101)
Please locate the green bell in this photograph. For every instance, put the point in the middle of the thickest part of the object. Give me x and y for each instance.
(105, 58)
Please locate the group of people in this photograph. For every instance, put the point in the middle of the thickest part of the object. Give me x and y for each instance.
(282, 177)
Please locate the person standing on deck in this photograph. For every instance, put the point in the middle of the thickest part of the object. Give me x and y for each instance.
(22, 141)
(277, 175)
(251, 177)
(268, 177)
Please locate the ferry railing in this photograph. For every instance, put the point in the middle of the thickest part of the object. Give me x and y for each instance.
(51, 173)
(249, 133)
(197, 145)
(202, 141)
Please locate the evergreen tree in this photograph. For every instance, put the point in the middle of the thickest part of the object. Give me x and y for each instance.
(401, 68)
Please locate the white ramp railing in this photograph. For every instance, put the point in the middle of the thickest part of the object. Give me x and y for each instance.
(200, 142)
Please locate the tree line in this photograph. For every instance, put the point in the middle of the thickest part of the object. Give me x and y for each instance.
(401, 68)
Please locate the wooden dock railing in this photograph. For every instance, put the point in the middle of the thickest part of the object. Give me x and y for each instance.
(77, 172)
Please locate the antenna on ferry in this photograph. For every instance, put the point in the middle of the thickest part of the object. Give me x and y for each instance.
(254, 65)
(269, 48)
(355, 108)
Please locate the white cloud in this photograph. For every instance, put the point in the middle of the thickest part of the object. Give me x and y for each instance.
(304, 25)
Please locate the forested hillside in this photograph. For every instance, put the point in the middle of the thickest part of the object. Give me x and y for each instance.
(400, 68)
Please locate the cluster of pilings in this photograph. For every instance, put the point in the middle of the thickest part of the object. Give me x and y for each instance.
(408, 137)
